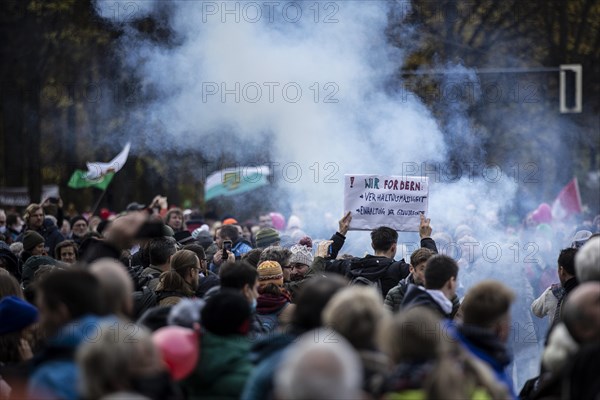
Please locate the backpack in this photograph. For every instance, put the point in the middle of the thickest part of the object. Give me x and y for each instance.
(143, 300)
(361, 280)
(140, 281)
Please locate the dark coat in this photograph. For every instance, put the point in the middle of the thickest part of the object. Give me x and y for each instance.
(386, 271)
(418, 297)
(222, 370)
(484, 345)
(394, 297)
(49, 232)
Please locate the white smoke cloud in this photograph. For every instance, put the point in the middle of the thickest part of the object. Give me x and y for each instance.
(348, 118)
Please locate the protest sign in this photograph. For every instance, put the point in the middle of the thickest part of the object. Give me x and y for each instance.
(384, 200)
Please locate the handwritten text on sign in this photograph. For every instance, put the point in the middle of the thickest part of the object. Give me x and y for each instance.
(381, 200)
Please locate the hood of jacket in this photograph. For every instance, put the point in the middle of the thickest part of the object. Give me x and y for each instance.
(371, 267)
(269, 345)
(417, 296)
(48, 227)
(486, 345)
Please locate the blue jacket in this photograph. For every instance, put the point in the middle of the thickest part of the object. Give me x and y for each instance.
(266, 355)
(55, 374)
(484, 345)
(240, 248)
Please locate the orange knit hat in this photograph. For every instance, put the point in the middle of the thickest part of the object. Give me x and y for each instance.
(270, 272)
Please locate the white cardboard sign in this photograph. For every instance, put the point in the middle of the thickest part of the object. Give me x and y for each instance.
(386, 200)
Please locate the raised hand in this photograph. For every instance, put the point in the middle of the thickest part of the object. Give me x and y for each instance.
(424, 227)
(344, 223)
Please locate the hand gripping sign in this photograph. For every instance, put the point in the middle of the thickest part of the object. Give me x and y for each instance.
(385, 200)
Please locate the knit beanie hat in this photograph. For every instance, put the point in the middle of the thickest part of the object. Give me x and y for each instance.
(301, 255)
(31, 239)
(77, 218)
(226, 313)
(32, 264)
(270, 272)
(266, 237)
(16, 314)
(186, 313)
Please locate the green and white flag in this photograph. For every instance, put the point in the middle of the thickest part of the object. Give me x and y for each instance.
(99, 169)
(79, 180)
(99, 174)
(232, 181)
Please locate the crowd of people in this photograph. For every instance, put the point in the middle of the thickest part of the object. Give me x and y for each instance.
(156, 302)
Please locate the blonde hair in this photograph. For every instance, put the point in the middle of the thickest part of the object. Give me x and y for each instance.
(355, 312)
(413, 335)
(120, 353)
(33, 207)
(486, 303)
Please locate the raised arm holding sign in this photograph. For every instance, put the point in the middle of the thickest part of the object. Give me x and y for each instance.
(398, 202)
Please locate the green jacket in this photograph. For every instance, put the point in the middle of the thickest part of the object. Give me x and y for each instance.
(222, 370)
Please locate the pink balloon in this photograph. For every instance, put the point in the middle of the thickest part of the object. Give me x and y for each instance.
(278, 221)
(543, 214)
(180, 349)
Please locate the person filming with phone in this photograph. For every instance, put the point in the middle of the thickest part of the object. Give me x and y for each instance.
(231, 244)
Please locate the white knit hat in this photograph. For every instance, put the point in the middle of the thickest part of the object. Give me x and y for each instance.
(301, 255)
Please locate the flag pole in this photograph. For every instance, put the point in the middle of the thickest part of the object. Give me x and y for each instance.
(98, 201)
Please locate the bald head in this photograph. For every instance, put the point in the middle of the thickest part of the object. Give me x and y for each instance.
(581, 312)
(116, 285)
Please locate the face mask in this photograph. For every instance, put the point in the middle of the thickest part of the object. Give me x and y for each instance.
(2, 229)
(253, 306)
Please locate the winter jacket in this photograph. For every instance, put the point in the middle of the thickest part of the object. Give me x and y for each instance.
(545, 305)
(240, 248)
(51, 234)
(169, 298)
(318, 266)
(393, 299)
(154, 272)
(568, 287)
(386, 272)
(55, 374)
(266, 355)
(484, 345)
(11, 263)
(222, 370)
(375, 369)
(206, 283)
(268, 309)
(417, 296)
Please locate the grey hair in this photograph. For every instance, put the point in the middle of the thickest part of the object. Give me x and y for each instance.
(320, 365)
(116, 285)
(121, 352)
(587, 261)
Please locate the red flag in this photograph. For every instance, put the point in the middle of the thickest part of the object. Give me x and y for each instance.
(568, 201)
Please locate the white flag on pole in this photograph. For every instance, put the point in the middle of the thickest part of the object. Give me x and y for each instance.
(97, 170)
